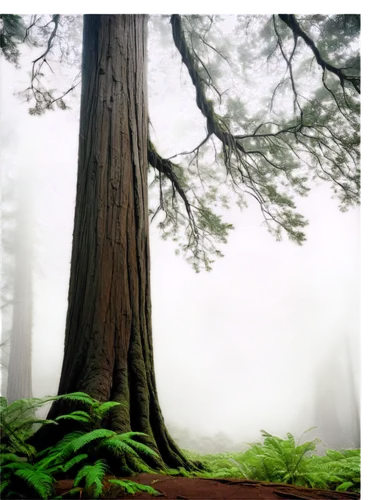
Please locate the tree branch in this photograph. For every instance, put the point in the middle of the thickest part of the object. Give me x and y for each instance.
(193, 150)
(166, 167)
(291, 21)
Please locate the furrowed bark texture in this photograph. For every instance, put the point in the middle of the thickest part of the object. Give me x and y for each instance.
(108, 344)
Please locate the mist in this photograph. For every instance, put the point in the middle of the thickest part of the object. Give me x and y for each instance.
(269, 339)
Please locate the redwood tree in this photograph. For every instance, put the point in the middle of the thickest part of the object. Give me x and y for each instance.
(17, 270)
(19, 377)
(108, 343)
(268, 154)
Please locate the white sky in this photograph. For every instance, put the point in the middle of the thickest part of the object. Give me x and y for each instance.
(236, 349)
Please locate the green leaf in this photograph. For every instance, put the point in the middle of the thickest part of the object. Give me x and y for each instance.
(89, 437)
(75, 460)
(105, 407)
(133, 487)
(41, 482)
(344, 486)
(93, 475)
(4, 484)
(77, 418)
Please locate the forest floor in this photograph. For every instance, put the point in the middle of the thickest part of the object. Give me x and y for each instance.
(185, 488)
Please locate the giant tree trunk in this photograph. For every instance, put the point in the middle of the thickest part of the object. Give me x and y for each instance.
(19, 377)
(108, 342)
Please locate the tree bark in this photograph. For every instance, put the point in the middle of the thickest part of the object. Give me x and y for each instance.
(19, 376)
(108, 343)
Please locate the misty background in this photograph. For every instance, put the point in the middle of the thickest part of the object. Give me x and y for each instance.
(269, 339)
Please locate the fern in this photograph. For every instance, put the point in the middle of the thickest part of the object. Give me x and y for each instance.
(285, 460)
(78, 451)
(41, 482)
(281, 460)
(17, 420)
(139, 447)
(132, 487)
(93, 476)
(344, 486)
(78, 416)
(74, 461)
(118, 447)
(10, 457)
(4, 485)
(87, 438)
(104, 408)
(95, 413)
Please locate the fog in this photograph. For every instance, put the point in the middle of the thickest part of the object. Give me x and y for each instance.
(260, 342)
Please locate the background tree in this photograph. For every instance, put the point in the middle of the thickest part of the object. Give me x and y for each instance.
(19, 383)
(16, 237)
(334, 424)
(8, 155)
(269, 152)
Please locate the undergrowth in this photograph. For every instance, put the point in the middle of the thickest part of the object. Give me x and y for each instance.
(89, 456)
(285, 461)
(85, 454)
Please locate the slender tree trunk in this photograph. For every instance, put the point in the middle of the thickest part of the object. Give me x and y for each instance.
(337, 411)
(19, 380)
(108, 343)
(353, 397)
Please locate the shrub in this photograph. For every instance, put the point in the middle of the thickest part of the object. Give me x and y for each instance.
(83, 454)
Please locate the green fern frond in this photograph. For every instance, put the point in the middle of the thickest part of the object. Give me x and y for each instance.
(141, 447)
(105, 408)
(17, 420)
(132, 487)
(41, 482)
(131, 434)
(4, 484)
(44, 452)
(21, 409)
(265, 433)
(351, 453)
(62, 449)
(18, 465)
(73, 461)
(77, 418)
(52, 460)
(60, 452)
(117, 447)
(87, 438)
(344, 486)
(93, 475)
(334, 455)
(82, 397)
(21, 406)
(77, 412)
(66, 440)
(10, 457)
(30, 422)
(19, 446)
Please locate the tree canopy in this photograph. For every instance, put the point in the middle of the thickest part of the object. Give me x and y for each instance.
(280, 96)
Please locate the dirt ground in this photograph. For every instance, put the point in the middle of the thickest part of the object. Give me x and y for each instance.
(184, 488)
